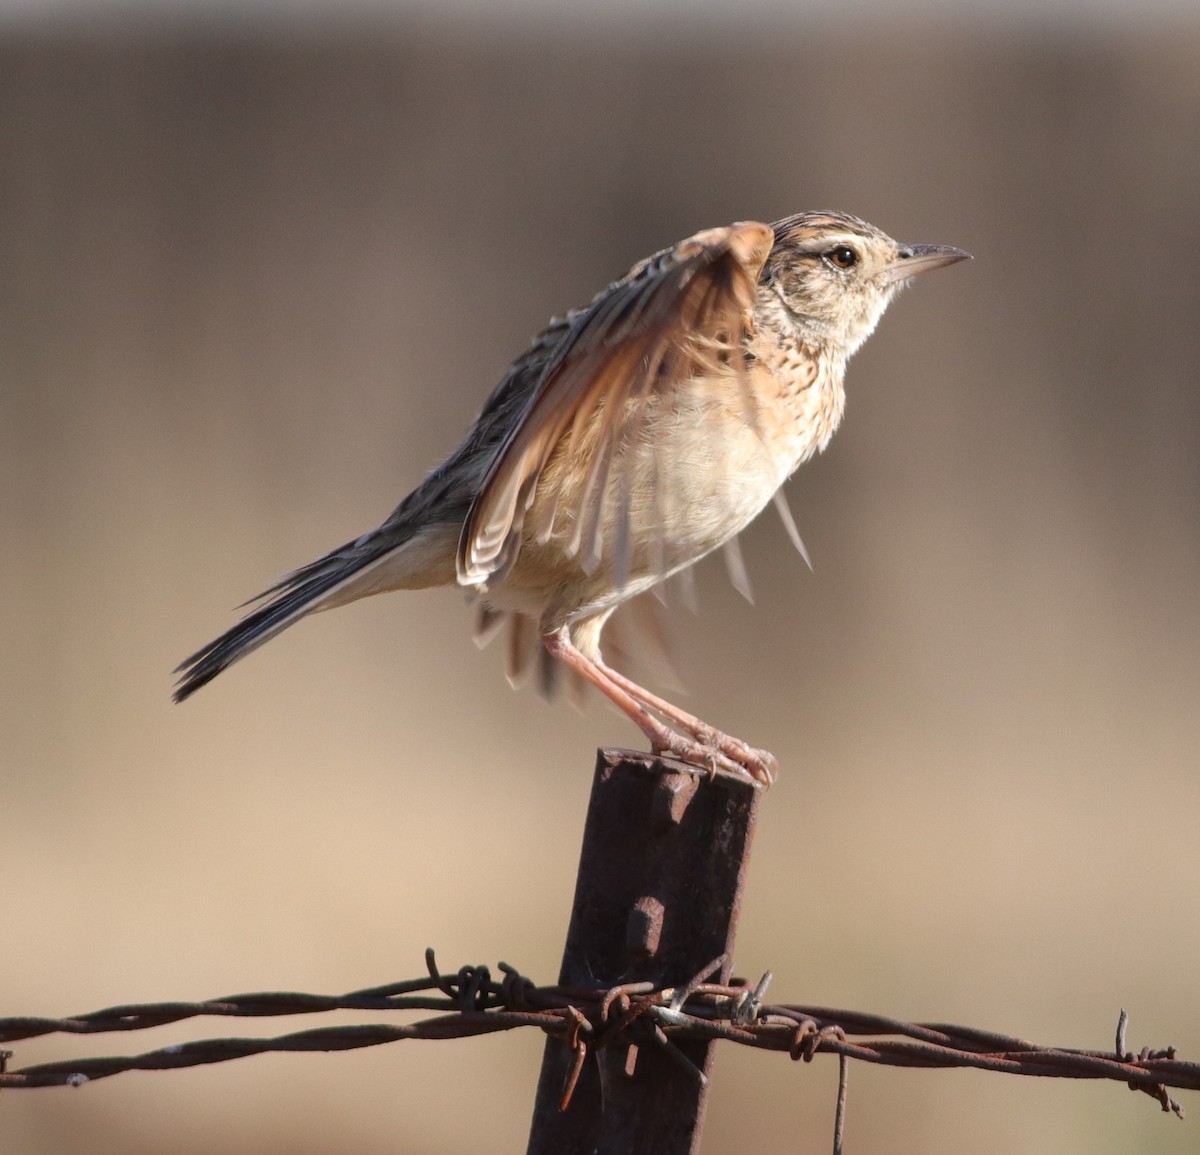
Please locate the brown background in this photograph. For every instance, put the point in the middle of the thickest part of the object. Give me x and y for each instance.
(254, 281)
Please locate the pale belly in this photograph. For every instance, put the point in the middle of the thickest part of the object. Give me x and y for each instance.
(698, 473)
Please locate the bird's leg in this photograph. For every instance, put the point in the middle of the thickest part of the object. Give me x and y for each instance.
(762, 764)
(639, 704)
(560, 646)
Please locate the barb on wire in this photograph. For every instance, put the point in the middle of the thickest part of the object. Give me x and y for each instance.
(839, 1118)
(472, 1003)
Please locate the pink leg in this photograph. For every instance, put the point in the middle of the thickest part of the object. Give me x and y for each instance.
(701, 744)
(761, 763)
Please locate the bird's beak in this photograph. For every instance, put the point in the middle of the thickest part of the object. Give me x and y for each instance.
(914, 259)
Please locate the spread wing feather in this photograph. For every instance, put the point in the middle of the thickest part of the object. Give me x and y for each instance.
(684, 307)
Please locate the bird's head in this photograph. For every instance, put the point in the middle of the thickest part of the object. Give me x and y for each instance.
(832, 276)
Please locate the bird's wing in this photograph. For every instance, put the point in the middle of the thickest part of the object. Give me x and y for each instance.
(686, 306)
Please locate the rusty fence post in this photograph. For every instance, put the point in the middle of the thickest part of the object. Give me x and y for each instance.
(664, 858)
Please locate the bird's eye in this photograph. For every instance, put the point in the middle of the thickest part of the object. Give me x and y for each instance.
(842, 257)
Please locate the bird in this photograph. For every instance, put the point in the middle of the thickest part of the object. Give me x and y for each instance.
(634, 436)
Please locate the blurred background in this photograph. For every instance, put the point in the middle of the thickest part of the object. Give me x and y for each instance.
(258, 268)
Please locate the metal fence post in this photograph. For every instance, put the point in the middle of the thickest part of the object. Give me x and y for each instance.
(661, 871)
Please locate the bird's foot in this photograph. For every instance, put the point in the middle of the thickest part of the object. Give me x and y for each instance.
(670, 730)
(717, 752)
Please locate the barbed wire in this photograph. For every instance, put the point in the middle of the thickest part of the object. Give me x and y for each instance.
(471, 1002)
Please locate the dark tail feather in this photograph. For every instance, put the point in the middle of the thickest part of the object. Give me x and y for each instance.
(289, 600)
